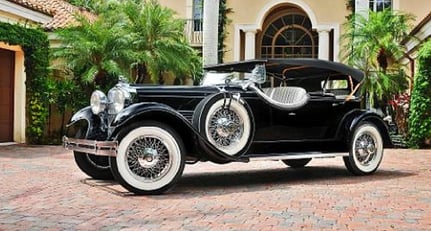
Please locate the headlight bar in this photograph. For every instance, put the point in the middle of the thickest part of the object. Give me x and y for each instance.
(118, 97)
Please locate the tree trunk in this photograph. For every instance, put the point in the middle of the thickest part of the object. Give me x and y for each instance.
(210, 31)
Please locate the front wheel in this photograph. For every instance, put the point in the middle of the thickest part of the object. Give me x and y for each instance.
(150, 158)
(366, 150)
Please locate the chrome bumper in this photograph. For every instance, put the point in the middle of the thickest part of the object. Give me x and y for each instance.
(98, 148)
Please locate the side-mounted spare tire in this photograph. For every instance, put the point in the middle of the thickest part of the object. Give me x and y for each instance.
(226, 121)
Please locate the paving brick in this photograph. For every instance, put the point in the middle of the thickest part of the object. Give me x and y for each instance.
(42, 189)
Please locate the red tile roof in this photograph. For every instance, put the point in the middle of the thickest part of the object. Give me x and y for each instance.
(61, 11)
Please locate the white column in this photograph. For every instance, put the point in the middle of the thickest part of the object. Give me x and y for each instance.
(250, 44)
(210, 32)
(323, 43)
(19, 99)
(189, 9)
(361, 7)
(237, 42)
(336, 28)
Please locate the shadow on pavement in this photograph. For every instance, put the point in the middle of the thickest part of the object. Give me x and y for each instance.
(219, 183)
(257, 180)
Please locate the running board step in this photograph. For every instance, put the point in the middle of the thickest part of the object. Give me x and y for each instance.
(293, 156)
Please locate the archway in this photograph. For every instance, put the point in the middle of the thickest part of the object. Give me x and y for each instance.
(287, 32)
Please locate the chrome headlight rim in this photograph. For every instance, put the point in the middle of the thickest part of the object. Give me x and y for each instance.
(118, 98)
(98, 102)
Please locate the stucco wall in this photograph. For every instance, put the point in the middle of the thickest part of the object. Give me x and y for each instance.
(320, 12)
(325, 11)
(419, 8)
(253, 12)
(179, 6)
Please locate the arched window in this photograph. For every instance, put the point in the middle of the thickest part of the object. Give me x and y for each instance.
(288, 36)
(379, 5)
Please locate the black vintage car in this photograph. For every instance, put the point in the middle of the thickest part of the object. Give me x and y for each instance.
(291, 110)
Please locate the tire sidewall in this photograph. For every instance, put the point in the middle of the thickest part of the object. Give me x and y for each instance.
(173, 143)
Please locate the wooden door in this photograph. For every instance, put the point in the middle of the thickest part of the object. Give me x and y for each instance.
(7, 69)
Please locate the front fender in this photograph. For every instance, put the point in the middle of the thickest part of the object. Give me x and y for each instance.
(165, 114)
(137, 110)
(91, 129)
(83, 114)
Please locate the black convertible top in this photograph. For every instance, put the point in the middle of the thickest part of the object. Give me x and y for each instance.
(291, 68)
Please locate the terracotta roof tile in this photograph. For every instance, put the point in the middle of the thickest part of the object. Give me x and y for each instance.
(63, 13)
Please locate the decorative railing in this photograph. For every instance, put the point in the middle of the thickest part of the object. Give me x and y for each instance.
(194, 32)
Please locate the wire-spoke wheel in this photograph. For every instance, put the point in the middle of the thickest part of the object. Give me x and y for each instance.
(226, 123)
(366, 150)
(150, 159)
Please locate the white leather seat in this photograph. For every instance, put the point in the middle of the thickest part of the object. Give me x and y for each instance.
(288, 98)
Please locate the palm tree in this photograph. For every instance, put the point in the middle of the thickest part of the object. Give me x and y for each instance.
(373, 45)
(95, 50)
(158, 40)
(127, 34)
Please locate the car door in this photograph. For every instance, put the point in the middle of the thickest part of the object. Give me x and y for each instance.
(317, 120)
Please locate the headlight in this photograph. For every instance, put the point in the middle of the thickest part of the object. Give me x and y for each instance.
(117, 99)
(98, 102)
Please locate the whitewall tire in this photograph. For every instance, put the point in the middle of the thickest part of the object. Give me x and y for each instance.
(366, 150)
(150, 158)
(226, 122)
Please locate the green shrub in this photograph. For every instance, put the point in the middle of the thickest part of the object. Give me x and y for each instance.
(420, 108)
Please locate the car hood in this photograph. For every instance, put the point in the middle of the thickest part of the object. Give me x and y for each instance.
(146, 90)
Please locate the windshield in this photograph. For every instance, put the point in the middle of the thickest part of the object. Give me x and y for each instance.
(257, 75)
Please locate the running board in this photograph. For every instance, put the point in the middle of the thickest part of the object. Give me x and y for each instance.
(293, 156)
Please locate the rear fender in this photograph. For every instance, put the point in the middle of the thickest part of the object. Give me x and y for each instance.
(371, 117)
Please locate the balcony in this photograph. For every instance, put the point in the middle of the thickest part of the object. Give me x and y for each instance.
(194, 33)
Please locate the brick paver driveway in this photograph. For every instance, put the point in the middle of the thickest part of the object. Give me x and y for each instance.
(41, 188)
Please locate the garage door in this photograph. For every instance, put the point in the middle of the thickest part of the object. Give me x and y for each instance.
(7, 67)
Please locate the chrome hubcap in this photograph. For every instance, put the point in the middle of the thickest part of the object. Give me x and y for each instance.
(148, 157)
(365, 148)
(225, 127)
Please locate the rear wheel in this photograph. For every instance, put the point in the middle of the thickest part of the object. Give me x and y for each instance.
(150, 158)
(297, 163)
(366, 150)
